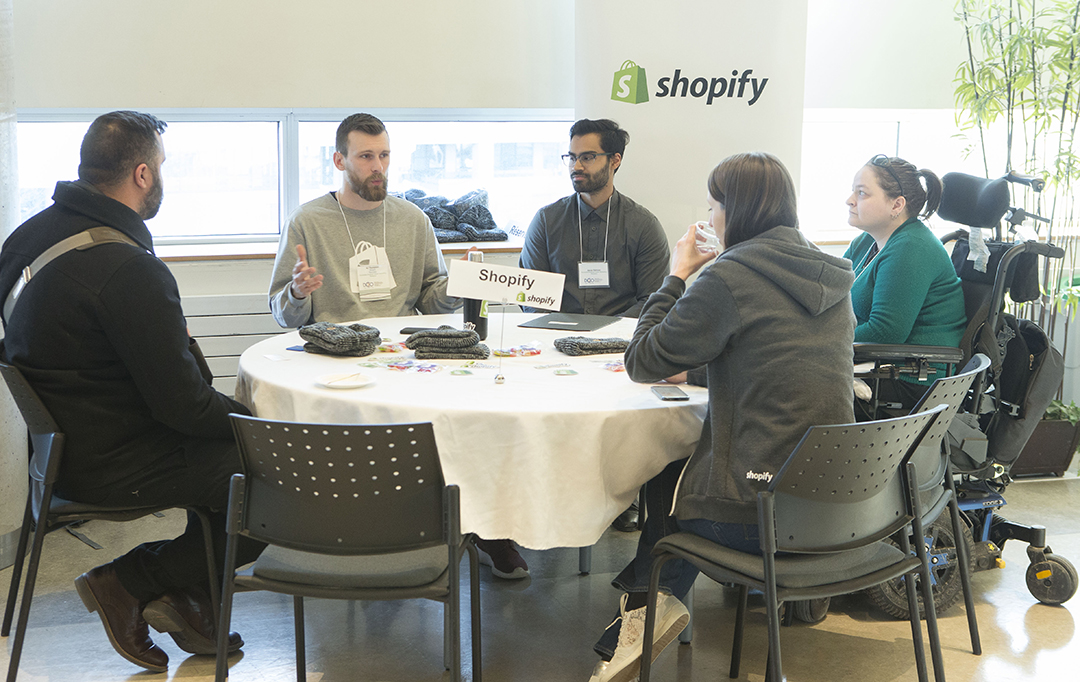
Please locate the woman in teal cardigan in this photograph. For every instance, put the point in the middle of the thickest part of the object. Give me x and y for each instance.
(906, 290)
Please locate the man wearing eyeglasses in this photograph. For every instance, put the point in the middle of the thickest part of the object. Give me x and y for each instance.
(613, 251)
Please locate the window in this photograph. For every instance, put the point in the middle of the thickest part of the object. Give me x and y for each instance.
(517, 162)
(837, 142)
(233, 176)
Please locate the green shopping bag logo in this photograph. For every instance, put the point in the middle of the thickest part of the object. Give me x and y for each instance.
(630, 84)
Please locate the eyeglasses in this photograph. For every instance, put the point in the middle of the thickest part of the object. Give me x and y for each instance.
(588, 157)
(882, 161)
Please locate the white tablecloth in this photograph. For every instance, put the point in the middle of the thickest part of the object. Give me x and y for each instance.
(548, 460)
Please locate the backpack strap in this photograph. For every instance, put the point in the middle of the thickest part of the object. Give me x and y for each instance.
(87, 239)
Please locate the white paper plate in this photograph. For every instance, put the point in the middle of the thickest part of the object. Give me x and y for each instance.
(346, 380)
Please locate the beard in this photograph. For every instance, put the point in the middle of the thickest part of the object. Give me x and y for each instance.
(592, 182)
(151, 203)
(365, 189)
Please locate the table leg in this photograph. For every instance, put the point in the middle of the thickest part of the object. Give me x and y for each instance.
(584, 560)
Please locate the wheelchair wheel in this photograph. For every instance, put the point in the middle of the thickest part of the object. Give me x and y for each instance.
(891, 597)
(1053, 580)
(811, 610)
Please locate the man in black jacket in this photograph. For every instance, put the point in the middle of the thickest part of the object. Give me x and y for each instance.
(100, 335)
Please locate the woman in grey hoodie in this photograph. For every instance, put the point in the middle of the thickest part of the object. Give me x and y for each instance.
(768, 327)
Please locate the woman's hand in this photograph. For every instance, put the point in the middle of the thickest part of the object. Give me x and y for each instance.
(679, 378)
(690, 256)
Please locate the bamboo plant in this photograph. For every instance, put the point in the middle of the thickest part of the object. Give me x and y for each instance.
(1020, 86)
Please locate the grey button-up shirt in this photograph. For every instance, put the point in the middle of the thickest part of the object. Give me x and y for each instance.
(637, 252)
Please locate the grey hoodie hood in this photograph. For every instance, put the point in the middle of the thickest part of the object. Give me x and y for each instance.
(816, 280)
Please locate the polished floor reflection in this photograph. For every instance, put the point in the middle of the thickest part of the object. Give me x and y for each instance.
(542, 629)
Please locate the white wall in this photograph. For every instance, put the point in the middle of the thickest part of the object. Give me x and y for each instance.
(882, 54)
(12, 430)
(283, 53)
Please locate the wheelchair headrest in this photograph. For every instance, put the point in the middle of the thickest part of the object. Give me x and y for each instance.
(973, 201)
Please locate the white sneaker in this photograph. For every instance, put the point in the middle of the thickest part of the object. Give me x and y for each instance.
(625, 664)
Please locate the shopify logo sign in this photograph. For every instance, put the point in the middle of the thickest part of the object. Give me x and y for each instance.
(631, 85)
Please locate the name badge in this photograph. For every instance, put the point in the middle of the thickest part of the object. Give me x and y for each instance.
(370, 275)
(593, 275)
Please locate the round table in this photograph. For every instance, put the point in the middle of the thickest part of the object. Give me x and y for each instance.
(547, 459)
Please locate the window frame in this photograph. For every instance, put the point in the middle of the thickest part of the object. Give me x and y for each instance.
(289, 120)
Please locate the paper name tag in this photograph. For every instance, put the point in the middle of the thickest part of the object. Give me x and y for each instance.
(593, 275)
(486, 281)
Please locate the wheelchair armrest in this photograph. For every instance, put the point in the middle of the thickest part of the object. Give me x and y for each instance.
(873, 352)
(890, 360)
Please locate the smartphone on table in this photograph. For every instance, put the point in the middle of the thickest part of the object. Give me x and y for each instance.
(670, 393)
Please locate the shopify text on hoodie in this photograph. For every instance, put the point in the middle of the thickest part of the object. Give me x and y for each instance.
(713, 88)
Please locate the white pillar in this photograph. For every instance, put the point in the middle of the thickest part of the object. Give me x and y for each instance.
(703, 63)
(12, 431)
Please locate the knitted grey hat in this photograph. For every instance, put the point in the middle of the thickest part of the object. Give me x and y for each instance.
(478, 352)
(441, 338)
(583, 345)
(339, 339)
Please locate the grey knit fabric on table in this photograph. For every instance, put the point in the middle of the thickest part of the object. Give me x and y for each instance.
(340, 339)
(583, 345)
(478, 216)
(476, 235)
(443, 337)
(450, 236)
(478, 352)
(447, 343)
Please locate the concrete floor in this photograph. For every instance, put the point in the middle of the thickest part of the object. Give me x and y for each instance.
(543, 628)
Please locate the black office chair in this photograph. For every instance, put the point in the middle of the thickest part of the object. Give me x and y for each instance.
(938, 492)
(47, 448)
(844, 489)
(348, 512)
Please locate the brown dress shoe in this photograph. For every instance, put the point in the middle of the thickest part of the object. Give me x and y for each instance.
(121, 614)
(188, 617)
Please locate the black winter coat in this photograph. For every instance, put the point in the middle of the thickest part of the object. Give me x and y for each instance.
(101, 337)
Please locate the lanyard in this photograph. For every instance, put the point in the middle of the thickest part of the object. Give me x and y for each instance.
(607, 225)
(356, 246)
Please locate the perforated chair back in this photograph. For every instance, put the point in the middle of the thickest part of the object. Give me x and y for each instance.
(840, 490)
(930, 458)
(315, 487)
(46, 440)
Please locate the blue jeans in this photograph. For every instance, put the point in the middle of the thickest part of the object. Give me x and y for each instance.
(677, 576)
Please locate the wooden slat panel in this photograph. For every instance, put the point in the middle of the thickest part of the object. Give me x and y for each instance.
(218, 346)
(225, 304)
(226, 385)
(227, 325)
(223, 367)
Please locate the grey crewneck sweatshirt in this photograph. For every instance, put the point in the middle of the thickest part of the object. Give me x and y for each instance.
(415, 260)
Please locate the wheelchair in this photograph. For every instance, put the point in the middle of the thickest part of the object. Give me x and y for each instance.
(1003, 406)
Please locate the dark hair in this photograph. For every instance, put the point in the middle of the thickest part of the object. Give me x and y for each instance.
(364, 123)
(116, 143)
(613, 139)
(757, 194)
(920, 201)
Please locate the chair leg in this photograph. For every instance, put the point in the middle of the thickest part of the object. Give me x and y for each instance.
(913, 613)
(964, 559)
(298, 627)
(737, 640)
(584, 561)
(447, 646)
(225, 618)
(211, 563)
(688, 632)
(27, 599)
(16, 570)
(650, 615)
(928, 606)
(474, 597)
